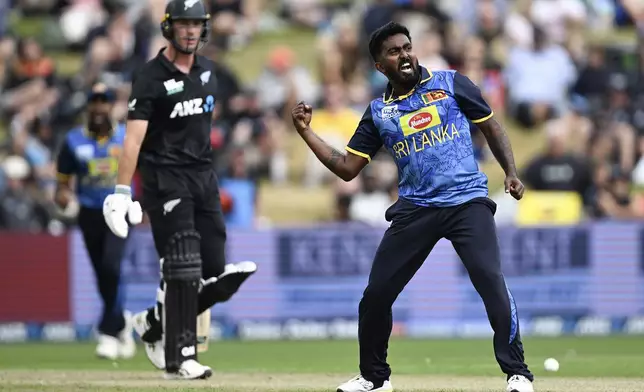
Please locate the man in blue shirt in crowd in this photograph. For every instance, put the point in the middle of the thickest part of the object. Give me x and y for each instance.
(422, 121)
(90, 155)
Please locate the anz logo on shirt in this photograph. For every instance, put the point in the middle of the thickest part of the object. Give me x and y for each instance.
(193, 106)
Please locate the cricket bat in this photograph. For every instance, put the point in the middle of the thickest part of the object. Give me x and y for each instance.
(203, 331)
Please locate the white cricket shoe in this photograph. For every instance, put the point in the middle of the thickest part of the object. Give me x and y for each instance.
(190, 370)
(108, 347)
(359, 384)
(238, 272)
(519, 383)
(127, 346)
(245, 267)
(154, 351)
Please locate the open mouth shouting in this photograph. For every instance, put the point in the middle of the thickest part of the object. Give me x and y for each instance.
(407, 68)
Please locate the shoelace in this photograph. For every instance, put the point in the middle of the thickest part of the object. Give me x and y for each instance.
(365, 383)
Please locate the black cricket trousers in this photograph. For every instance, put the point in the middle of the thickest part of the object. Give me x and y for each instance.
(406, 244)
(180, 199)
(106, 254)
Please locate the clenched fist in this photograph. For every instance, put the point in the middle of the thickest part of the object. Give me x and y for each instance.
(514, 187)
(301, 114)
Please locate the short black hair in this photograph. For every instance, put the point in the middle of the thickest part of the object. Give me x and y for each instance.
(382, 34)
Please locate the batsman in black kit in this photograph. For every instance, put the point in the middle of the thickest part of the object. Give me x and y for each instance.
(168, 139)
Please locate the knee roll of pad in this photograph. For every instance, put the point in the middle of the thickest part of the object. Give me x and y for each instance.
(182, 259)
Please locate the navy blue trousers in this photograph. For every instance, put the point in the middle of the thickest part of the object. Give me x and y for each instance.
(106, 253)
(414, 231)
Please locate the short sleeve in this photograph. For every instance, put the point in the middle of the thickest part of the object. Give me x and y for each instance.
(66, 162)
(141, 98)
(366, 140)
(469, 99)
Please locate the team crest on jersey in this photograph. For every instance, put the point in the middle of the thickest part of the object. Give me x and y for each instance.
(205, 78)
(433, 96)
(390, 111)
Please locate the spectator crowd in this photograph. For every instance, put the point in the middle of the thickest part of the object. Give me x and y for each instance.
(534, 60)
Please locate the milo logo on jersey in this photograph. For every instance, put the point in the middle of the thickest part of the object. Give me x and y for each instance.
(423, 129)
(193, 106)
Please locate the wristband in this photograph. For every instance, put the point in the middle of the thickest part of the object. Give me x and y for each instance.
(123, 190)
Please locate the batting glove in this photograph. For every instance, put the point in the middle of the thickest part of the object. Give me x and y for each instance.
(115, 208)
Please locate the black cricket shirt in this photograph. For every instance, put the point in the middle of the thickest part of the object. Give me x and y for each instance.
(178, 108)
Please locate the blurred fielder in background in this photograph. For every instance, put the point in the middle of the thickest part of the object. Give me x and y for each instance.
(90, 156)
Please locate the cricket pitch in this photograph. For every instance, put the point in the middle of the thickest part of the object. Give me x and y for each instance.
(58, 381)
(592, 364)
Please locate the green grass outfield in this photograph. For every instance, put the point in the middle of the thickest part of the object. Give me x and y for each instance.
(587, 364)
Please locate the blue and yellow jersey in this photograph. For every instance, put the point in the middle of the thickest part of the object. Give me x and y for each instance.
(428, 134)
(93, 162)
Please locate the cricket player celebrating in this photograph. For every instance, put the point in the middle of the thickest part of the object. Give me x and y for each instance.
(90, 155)
(423, 121)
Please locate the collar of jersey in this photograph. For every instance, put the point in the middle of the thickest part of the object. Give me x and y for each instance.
(388, 96)
(170, 65)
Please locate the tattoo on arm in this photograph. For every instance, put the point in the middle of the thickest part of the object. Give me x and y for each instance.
(334, 158)
(500, 146)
